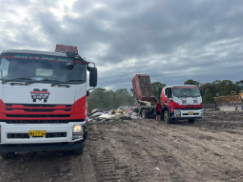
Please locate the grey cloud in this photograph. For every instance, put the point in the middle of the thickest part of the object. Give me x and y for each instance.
(179, 33)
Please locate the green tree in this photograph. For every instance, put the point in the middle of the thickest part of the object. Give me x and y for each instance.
(191, 82)
(208, 97)
(208, 86)
(155, 87)
(224, 87)
(106, 100)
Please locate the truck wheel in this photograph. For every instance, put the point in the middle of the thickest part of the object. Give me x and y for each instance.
(144, 114)
(7, 155)
(167, 117)
(79, 151)
(191, 120)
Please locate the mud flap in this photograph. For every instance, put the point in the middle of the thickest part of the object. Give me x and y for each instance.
(241, 103)
(85, 135)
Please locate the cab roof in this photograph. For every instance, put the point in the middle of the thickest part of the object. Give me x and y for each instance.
(182, 86)
(26, 51)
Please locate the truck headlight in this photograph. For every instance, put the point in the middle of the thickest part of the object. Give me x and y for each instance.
(77, 132)
(177, 113)
(77, 128)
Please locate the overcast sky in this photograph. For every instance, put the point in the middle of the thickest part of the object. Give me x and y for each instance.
(171, 40)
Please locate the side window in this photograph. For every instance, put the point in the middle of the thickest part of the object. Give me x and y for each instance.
(4, 67)
(168, 92)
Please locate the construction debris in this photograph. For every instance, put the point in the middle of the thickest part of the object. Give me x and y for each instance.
(127, 113)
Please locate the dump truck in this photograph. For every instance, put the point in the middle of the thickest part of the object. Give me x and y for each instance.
(181, 102)
(232, 102)
(143, 95)
(43, 100)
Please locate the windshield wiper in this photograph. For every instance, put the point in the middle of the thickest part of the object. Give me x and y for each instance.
(73, 81)
(66, 82)
(15, 79)
(37, 81)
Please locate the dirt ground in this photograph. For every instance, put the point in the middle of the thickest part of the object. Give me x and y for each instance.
(211, 149)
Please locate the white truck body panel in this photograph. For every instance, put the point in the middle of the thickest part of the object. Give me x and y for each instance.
(20, 94)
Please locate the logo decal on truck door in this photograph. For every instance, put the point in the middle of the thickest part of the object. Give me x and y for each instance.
(39, 94)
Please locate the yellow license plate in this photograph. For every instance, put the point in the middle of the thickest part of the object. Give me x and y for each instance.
(36, 133)
(190, 112)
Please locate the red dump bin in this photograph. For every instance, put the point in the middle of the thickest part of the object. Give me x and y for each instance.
(142, 88)
(65, 48)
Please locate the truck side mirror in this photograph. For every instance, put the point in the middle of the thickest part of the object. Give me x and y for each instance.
(201, 92)
(92, 76)
(168, 92)
(69, 66)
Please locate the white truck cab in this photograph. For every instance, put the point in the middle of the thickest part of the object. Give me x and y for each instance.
(181, 102)
(43, 100)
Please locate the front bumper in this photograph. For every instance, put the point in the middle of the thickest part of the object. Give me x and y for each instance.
(185, 114)
(185, 118)
(43, 147)
(53, 128)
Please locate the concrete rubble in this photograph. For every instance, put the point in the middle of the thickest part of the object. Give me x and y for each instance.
(123, 113)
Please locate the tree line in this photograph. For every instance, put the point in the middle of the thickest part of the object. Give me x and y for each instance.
(215, 89)
(108, 99)
(104, 99)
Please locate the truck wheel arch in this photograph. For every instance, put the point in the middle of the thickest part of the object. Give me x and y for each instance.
(163, 109)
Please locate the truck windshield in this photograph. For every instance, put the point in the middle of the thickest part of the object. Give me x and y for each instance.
(240, 87)
(186, 91)
(40, 68)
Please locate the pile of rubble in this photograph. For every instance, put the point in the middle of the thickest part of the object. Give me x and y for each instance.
(119, 114)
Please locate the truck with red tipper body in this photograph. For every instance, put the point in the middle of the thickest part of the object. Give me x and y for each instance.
(43, 100)
(143, 95)
(181, 103)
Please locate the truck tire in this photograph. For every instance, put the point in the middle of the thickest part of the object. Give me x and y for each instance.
(167, 117)
(7, 155)
(191, 120)
(79, 151)
(144, 114)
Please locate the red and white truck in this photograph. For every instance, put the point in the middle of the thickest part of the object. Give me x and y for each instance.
(43, 100)
(178, 102)
(181, 102)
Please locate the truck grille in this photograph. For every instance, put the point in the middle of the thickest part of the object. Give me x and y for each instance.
(185, 114)
(39, 110)
(191, 107)
(39, 121)
(25, 135)
(34, 105)
(36, 116)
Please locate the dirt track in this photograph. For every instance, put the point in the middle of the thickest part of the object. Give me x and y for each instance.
(139, 150)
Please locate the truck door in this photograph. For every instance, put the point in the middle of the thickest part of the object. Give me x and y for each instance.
(166, 96)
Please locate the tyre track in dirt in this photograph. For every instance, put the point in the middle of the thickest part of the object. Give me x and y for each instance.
(170, 169)
(198, 146)
(109, 162)
(140, 150)
(141, 158)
